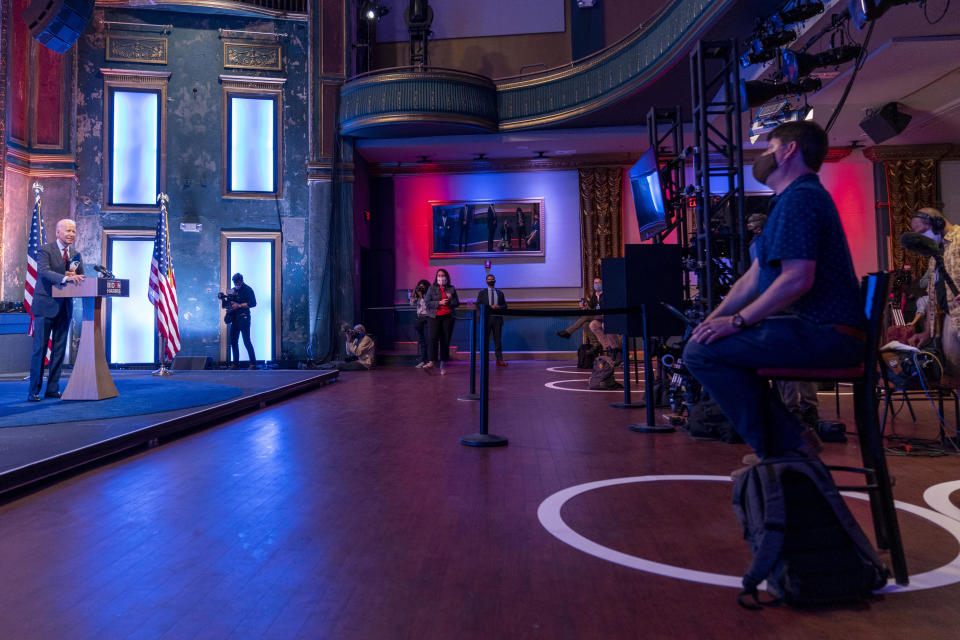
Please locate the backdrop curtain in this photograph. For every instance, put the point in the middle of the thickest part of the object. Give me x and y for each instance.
(600, 202)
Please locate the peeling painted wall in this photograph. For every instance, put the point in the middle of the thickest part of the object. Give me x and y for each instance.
(193, 159)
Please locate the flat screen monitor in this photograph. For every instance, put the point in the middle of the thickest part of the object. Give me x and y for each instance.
(647, 195)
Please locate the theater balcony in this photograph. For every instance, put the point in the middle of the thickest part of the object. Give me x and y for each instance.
(613, 86)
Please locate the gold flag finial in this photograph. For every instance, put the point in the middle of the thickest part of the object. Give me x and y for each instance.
(162, 197)
(38, 187)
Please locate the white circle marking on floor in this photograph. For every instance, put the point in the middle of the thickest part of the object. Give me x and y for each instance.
(553, 385)
(549, 515)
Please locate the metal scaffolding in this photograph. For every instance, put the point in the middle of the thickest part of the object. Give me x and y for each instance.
(721, 250)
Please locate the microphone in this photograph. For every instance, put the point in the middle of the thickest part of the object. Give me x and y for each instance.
(920, 244)
(103, 271)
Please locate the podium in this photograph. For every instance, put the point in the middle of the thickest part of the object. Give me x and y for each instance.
(91, 379)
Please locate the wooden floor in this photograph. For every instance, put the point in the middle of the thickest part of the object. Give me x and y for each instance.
(353, 512)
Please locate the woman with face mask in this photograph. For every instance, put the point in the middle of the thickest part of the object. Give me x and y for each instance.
(419, 302)
(441, 301)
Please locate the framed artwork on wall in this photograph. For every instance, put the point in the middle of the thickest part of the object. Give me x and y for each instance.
(478, 228)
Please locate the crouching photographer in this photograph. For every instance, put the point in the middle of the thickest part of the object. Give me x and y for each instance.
(360, 350)
(238, 302)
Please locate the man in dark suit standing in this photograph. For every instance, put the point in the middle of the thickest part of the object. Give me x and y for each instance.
(57, 264)
(494, 298)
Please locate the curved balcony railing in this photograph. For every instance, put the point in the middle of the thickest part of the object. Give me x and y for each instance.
(424, 100)
(546, 98)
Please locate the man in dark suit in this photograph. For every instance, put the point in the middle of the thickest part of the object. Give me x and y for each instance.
(494, 298)
(57, 264)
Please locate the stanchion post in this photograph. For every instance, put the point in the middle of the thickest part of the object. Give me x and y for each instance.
(626, 404)
(651, 426)
(483, 438)
(472, 396)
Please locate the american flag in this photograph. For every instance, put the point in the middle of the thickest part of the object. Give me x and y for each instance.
(37, 240)
(163, 286)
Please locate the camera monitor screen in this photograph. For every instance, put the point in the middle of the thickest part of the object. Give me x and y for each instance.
(647, 195)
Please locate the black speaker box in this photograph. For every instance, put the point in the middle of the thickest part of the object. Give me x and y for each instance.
(648, 275)
(885, 123)
(192, 363)
(57, 23)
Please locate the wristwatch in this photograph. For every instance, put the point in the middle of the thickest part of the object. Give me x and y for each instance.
(738, 322)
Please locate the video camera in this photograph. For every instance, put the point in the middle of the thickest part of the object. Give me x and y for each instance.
(229, 297)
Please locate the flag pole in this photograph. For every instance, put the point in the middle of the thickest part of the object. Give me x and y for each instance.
(162, 371)
(162, 198)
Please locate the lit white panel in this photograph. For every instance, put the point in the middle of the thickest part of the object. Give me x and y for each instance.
(135, 147)
(132, 327)
(254, 259)
(252, 144)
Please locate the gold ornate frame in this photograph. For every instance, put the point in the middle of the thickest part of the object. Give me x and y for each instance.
(142, 80)
(535, 204)
(274, 237)
(252, 87)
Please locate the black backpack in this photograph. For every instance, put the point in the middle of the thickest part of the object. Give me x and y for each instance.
(601, 378)
(805, 541)
(707, 421)
(585, 356)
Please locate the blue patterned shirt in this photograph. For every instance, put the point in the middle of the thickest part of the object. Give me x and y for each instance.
(804, 225)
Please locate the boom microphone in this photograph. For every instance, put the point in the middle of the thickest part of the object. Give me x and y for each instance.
(920, 244)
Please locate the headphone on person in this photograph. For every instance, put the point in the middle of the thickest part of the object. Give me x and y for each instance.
(937, 223)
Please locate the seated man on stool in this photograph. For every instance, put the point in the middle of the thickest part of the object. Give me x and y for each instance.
(584, 321)
(797, 306)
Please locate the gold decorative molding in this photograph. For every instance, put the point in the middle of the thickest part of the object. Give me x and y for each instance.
(131, 77)
(909, 152)
(142, 49)
(252, 83)
(265, 57)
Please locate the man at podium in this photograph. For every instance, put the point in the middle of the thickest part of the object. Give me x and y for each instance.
(57, 263)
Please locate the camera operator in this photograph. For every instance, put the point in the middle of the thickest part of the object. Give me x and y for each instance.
(238, 302)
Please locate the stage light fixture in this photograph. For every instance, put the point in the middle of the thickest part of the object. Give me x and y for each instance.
(766, 42)
(774, 114)
(374, 11)
(864, 11)
(800, 11)
(754, 93)
(797, 65)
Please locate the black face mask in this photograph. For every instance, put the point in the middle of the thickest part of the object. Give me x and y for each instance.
(764, 167)
(491, 283)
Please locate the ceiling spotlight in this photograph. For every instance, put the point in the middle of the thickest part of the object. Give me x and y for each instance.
(754, 93)
(797, 65)
(373, 10)
(863, 11)
(800, 11)
(766, 42)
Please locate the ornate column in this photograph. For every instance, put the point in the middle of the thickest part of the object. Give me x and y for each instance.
(329, 179)
(911, 176)
(600, 196)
